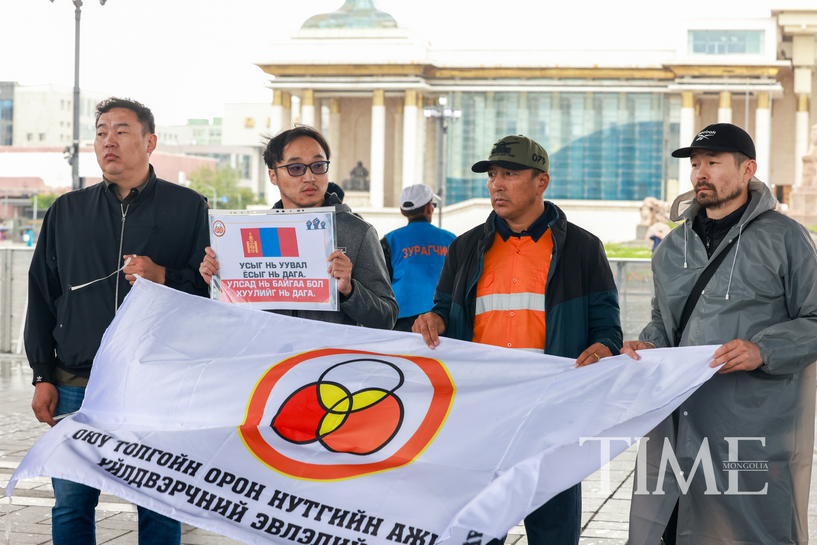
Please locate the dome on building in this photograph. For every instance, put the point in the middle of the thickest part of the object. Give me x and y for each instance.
(352, 14)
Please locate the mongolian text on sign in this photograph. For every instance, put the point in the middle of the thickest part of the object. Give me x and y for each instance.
(275, 260)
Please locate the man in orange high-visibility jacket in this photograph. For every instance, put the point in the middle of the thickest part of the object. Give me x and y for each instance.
(528, 279)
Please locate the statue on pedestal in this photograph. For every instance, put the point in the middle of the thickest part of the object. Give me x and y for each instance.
(654, 224)
(358, 179)
(653, 210)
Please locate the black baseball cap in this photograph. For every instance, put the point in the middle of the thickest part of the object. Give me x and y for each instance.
(720, 137)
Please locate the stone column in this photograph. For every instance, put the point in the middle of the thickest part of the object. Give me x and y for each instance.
(522, 121)
(377, 169)
(420, 147)
(454, 146)
(410, 139)
(589, 124)
(398, 152)
(286, 114)
(624, 116)
(276, 120)
(489, 136)
(686, 134)
(763, 136)
(308, 107)
(276, 123)
(803, 61)
(480, 134)
(801, 134)
(431, 176)
(334, 126)
(555, 137)
(725, 107)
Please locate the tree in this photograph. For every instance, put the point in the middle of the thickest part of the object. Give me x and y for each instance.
(225, 182)
(45, 200)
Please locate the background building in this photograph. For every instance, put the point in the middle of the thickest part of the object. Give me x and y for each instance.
(42, 115)
(608, 118)
(36, 128)
(49, 166)
(217, 139)
(6, 112)
(196, 132)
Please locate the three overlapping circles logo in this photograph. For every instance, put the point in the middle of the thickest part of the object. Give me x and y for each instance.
(334, 414)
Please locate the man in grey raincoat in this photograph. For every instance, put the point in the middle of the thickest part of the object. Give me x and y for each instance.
(743, 442)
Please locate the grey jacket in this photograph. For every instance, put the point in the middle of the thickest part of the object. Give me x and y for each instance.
(372, 302)
(764, 291)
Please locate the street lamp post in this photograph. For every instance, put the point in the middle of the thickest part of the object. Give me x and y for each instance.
(73, 153)
(215, 195)
(444, 117)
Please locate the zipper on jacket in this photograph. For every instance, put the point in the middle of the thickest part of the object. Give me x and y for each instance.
(124, 210)
(554, 260)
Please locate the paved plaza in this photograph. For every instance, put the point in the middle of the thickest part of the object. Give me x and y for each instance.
(606, 503)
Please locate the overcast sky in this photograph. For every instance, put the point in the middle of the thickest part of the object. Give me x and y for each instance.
(187, 58)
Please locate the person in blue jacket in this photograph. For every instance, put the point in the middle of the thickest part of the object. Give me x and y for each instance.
(415, 254)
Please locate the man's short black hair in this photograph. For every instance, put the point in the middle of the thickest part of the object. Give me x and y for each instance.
(416, 212)
(274, 152)
(143, 113)
(739, 157)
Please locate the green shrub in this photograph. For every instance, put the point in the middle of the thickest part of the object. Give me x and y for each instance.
(620, 250)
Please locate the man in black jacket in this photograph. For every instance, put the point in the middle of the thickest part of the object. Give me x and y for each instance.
(93, 244)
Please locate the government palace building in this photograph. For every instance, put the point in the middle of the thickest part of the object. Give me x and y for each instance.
(398, 111)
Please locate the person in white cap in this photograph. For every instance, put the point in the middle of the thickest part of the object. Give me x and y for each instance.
(415, 254)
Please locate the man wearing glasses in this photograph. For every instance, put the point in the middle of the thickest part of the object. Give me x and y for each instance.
(298, 162)
(415, 254)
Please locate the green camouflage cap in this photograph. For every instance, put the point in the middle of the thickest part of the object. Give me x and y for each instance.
(515, 153)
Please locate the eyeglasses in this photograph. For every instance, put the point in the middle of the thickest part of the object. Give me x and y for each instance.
(299, 169)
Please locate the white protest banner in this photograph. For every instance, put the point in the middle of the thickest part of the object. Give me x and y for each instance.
(270, 428)
(274, 259)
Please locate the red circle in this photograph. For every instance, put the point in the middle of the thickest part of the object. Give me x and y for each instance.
(250, 432)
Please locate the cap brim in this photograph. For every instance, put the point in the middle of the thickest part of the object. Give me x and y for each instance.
(483, 166)
(687, 152)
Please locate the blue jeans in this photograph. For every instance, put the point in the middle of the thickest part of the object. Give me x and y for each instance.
(558, 522)
(72, 518)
